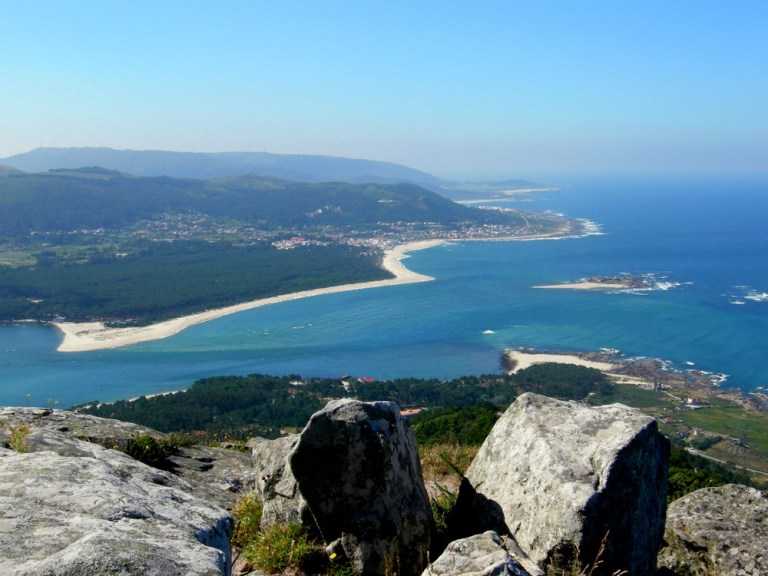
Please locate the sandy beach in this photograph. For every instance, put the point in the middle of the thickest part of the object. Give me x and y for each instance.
(525, 360)
(89, 336)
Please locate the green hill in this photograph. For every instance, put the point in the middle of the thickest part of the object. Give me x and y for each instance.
(65, 200)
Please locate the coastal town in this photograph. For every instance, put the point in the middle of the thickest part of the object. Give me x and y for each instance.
(381, 235)
(80, 245)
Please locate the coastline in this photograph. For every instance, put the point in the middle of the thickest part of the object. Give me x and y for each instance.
(522, 360)
(91, 336)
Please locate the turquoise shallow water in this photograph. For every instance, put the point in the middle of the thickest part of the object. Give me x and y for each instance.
(712, 234)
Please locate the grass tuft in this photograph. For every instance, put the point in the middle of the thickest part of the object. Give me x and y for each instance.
(282, 547)
(18, 438)
(150, 451)
(247, 514)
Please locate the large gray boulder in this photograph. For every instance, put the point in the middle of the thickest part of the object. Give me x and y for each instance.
(91, 510)
(565, 480)
(353, 478)
(719, 531)
(479, 555)
(216, 475)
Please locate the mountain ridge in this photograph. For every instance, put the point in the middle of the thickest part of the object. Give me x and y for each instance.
(65, 199)
(209, 165)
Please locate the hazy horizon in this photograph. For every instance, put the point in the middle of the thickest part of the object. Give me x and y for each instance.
(488, 91)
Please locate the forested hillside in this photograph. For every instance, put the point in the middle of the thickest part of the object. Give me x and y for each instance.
(94, 198)
(165, 280)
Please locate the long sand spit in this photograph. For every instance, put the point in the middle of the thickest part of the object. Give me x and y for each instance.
(89, 336)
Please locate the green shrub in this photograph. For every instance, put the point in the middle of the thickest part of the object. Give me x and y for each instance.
(441, 505)
(688, 472)
(705, 443)
(18, 438)
(283, 547)
(247, 514)
(466, 426)
(151, 451)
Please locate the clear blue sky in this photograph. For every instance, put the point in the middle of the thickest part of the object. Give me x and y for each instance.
(457, 88)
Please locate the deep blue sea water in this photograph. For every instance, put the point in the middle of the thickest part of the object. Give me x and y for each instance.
(713, 233)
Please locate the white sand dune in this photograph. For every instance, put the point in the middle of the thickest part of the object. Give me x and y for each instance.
(88, 336)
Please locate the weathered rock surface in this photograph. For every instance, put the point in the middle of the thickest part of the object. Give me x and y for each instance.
(77, 508)
(68, 424)
(719, 531)
(275, 483)
(216, 475)
(479, 555)
(353, 478)
(561, 477)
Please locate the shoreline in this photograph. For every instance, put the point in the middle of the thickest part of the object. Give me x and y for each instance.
(92, 336)
(522, 360)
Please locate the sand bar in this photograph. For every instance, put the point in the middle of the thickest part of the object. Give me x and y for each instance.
(89, 336)
(525, 360)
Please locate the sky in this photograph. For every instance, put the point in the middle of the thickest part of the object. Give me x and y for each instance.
(460, 89)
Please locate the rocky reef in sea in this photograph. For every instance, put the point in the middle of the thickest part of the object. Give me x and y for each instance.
(558, 488)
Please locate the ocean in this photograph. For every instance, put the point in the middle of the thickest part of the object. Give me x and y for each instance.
(708, 235)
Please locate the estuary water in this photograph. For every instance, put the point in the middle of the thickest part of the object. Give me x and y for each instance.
(711, 236)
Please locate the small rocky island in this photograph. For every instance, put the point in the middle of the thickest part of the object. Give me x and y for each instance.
(619, 282)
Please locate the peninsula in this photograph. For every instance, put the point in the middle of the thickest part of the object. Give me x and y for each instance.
(114, 259)
(89, 336)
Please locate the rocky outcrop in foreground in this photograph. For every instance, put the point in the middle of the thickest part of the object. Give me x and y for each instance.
(69, 508)
(718, 532)
(353, 478)
(561, 484)
(479, 555)
(216, 475)
(565, 480)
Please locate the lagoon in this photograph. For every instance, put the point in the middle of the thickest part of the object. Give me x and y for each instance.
(709, 234)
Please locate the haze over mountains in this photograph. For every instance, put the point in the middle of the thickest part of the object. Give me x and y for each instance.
(204, 166)
(294, 167)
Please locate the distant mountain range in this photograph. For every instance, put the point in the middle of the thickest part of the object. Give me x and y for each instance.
(66, 200)
(5, 170)
(205, 166)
